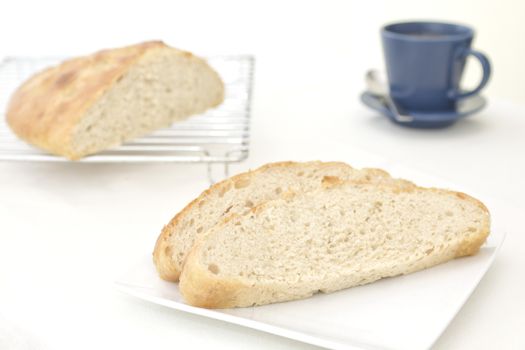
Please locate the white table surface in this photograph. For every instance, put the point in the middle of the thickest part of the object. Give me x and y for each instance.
(68, 230)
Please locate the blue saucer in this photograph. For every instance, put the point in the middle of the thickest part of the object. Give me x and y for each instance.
(438, 119)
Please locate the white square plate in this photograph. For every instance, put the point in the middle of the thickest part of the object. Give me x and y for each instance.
(405, 312)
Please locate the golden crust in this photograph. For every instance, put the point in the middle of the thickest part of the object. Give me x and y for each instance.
(167, 267)
(473, 243)
(45, 109)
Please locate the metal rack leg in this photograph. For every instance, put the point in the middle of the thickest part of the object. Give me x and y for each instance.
(211, 178)
(226, 170)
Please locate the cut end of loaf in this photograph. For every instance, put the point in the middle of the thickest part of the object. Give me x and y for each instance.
(90, 103)
(166, 85)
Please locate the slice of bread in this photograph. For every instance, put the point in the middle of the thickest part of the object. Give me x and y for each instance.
(92, 103)
(345, 235)
(238, 195)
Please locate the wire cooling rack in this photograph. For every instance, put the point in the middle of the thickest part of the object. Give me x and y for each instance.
(219, 136)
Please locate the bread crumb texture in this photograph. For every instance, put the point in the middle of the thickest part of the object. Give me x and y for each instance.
(92, 103)
(328, 240)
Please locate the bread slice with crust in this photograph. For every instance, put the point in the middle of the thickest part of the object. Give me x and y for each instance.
(95, 102)
(239, 194)
(345, 235)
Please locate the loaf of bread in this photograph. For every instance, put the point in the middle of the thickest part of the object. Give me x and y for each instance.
(346, 234)
(96, 102)
(238, 195)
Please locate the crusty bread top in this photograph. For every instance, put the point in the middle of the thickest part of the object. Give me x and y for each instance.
(45, 109)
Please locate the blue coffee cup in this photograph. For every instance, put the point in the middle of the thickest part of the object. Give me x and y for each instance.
(425, 62)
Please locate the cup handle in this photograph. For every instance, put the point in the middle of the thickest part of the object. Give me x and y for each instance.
(455, 94)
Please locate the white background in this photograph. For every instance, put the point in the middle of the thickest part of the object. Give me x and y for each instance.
(306, 40)
(66, 231)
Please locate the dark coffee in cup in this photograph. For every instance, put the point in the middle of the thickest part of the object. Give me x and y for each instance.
(427, 35)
